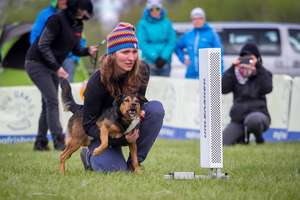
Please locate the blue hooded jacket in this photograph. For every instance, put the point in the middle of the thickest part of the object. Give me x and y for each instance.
(156, 37)
(198, 38)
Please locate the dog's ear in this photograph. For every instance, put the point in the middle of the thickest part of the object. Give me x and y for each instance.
(142, 99)
(118, 100)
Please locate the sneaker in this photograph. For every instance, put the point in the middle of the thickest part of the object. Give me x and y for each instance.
(85, 156)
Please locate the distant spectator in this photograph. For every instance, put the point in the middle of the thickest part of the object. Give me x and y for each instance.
(157, 38)
(202, 36)
(71, 61)
(249, 82)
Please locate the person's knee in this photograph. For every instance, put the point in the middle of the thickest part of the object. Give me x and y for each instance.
(155, 109)
(255, 126)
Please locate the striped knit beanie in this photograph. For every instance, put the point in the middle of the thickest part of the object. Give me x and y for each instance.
(122, 36)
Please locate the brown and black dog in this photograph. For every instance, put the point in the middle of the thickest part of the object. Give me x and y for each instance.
(113, 122)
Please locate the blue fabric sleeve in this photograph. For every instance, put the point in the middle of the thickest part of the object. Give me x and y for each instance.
(180, 45)
(142, 38)
(171, 43)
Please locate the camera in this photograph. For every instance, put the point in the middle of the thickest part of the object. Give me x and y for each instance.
(245, 60)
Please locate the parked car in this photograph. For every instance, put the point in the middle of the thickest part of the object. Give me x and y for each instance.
(279, 44)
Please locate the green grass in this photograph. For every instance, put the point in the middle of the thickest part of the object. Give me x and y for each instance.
(270, 171)
(15, 77)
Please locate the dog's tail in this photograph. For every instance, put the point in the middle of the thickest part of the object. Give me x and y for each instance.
(67, 98)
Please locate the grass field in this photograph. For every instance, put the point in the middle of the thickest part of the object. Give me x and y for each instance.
(270, 171)
(16, 77)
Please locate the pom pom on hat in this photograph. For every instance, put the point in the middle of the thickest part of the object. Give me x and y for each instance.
(122, 36)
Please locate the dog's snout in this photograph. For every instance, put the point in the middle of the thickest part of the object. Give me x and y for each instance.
(133, 104)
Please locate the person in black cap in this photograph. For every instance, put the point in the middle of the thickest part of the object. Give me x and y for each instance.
(43, 64)
(249, 82)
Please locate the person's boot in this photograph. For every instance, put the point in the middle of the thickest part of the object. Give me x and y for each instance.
(41, 145)
(59, 142)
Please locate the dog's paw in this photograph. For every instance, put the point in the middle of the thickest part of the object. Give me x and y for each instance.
(138, 170)
(96, 152)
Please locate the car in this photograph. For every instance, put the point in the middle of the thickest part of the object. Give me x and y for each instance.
(279, 44)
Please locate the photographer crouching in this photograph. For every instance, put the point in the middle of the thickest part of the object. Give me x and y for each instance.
(250, 82)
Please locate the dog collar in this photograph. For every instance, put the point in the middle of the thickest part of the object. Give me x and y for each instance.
(134, 123)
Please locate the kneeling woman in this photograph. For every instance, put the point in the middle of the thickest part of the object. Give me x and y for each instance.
(120, 72)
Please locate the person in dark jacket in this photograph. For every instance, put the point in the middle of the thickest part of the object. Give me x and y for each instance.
(72, 60)
(249, 82)
(120, 72)
(43, 64)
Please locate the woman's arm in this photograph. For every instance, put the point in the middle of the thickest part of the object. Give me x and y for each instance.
(228, 80)
(48, 35)
(94, 96)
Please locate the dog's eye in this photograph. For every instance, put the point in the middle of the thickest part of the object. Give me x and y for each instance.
(126, 100)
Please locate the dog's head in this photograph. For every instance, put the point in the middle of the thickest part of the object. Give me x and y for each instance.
(130, 106)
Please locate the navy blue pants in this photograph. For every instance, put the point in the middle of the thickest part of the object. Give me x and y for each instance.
(112, 159)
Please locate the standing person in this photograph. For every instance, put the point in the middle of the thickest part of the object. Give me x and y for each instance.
(249, 82)
(157, 38)
(120, 72)
(43, 64)
(71, 61)
(202, 36)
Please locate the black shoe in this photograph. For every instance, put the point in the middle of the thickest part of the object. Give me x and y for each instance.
(41, 146)
(59, 142)
(85, 156)
(260, 139)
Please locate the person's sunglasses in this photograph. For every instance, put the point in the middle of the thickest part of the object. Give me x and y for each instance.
(155, 9)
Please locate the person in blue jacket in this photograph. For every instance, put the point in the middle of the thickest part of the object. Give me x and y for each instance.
(202, 36)
(71, 61)
(157, 38)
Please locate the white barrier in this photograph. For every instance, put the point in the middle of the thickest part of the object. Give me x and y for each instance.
(20, 109)
(294, 125)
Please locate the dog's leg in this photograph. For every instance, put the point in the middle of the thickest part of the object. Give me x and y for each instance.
(134, 159)
(66, 154)
(104, 141)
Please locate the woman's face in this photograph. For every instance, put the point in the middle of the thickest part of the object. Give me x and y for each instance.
(126, 58)
(62, 4)
(198, 22)
(155, 12)
(82, 14)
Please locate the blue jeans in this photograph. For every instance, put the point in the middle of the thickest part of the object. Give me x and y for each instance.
(112, 159)
(164, 71)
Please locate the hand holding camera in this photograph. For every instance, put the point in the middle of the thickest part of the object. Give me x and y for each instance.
(246, 65)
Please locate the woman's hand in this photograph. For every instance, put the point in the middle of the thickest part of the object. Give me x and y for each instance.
(62, 73)
(133, 136)
(187, 61)
(93, 50)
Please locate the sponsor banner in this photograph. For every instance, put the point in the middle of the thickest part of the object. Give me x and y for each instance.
(20, 108)
(272, 135)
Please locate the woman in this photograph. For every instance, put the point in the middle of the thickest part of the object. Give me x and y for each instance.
(120, 72)
(157, 38)
(250, 82)
(44, 58)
